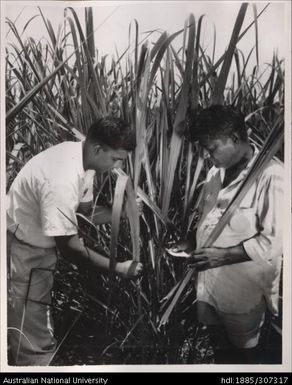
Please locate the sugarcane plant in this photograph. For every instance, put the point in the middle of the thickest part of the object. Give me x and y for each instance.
(57, 88)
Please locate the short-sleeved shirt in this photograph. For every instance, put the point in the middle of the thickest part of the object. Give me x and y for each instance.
(44, 197)
(257, 225)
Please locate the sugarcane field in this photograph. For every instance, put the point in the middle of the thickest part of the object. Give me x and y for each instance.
(145, 184)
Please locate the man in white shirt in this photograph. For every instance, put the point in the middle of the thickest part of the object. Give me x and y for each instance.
(239, 275)
(41, 215)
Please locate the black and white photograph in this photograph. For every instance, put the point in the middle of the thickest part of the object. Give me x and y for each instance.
(146, 185)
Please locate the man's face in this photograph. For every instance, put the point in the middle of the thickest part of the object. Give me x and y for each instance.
(106, 158)
(223, 152)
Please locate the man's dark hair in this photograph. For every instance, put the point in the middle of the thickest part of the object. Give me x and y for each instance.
(112, 132)
(216, 121)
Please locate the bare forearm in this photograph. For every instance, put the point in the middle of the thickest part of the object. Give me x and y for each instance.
(83, 253)
(96, 259)
(212, 257)
(235, 254)
(99, 216)
(71, 247)
(77, 253)
(101, 262)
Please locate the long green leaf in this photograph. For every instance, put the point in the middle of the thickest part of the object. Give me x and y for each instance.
(217, 64)
(116, 217)
(133, 215)
(31, 94)
(218, 94)
(140, 119)
(176, 139)
(254, 8)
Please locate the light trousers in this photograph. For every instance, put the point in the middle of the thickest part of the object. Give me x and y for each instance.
(30, 280)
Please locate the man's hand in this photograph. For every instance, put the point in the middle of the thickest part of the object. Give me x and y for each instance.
(212, 257)
(181, 246)
(129, 269)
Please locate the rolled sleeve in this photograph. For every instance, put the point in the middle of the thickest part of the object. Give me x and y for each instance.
(266, 246)
(58, 204)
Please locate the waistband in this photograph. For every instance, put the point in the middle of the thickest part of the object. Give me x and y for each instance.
(12, 237)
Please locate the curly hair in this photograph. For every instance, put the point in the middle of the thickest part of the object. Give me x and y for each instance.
(113, 132)
(216, 121)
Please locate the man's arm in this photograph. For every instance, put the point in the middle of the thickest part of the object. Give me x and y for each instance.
(101, 215)
(212, 257)
(71, 247)
(265, 248)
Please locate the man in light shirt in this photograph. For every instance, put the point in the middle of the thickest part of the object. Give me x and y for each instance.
(41, 215)
(239, 275)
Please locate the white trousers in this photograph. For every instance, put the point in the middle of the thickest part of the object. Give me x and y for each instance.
(30, 281)
(243, 329)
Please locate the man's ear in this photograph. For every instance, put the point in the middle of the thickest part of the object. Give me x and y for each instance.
(96, 148)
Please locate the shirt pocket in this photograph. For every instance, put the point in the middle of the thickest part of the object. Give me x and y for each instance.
(243, 223)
